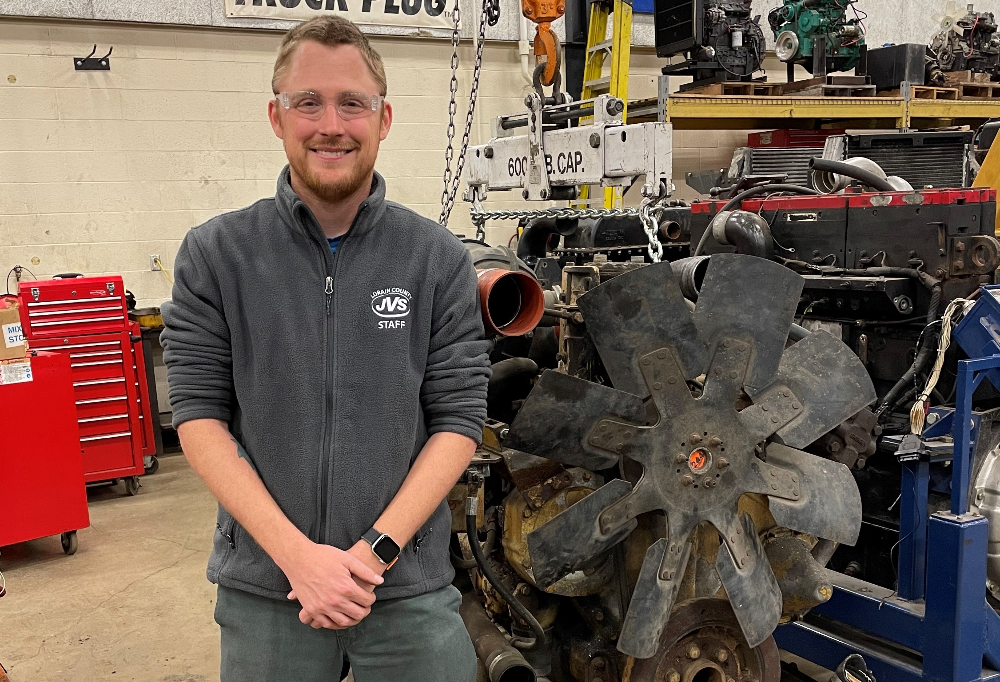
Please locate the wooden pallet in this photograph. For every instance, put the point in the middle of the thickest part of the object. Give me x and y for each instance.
(768, 89)
(956, 78)
(835, 91)
(831, 86)
(928, 92)
(745, 89)
(979, 90)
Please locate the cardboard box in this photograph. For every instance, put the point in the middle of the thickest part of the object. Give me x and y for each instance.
(12, 344)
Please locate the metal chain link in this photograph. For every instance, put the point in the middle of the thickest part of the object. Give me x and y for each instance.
(490, 15)
(649, 215)
(480, 217)
(449, 152)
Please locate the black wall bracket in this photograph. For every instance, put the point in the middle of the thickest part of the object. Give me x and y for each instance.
(92, 63)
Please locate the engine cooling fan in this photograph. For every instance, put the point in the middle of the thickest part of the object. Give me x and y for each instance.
(754, 403)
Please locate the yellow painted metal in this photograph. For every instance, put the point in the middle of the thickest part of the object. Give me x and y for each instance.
(598, 28)
(954, 109)
(739, 110)
(620, 51)
(735, 112)
(989, 176)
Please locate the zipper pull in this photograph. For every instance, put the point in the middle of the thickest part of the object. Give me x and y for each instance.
(329, 292)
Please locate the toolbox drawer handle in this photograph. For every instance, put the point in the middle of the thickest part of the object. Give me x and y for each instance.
(40, 345)
(101, 400)
(85, 320)
(75, 311)
(99, 381)
(108, 436)
(102, 419)
(93, 364)
(64, 301)
(101, 353)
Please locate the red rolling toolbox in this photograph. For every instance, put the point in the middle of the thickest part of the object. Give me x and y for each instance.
(86, 319)
(42, 491)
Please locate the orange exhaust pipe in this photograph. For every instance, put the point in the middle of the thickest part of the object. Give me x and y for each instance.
(512, 301)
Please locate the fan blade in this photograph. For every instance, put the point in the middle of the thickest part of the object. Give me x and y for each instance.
(747, 576)
(727, 372)
(655, 592)
(574, 536)
(829, 503)
(830, 382)
(560, 412)
(664, 376)
(637, 313)
(752, 299)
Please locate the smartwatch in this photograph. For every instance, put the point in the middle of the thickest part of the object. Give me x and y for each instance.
(384, 547)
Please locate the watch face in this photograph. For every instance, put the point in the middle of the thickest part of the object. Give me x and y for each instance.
(386, 549)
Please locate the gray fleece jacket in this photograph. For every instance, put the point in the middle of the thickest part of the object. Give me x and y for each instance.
(332, 371)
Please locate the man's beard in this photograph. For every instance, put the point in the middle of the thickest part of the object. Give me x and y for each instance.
(343, 187)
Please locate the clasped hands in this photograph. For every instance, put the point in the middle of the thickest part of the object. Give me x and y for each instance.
(336, 588)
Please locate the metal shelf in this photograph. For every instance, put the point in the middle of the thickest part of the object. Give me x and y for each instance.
(714, 112)
(929, 113)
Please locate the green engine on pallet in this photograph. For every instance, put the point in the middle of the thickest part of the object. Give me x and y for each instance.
(818, 34)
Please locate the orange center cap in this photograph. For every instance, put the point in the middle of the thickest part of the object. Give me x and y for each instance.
(698, 460)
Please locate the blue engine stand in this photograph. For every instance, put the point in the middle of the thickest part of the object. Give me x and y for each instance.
(937, 625)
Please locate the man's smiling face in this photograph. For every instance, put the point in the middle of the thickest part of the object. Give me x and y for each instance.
(330, 156)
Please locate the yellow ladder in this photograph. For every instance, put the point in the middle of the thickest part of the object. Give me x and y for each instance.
(619, 48)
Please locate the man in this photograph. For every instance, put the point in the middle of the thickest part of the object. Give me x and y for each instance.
(328, 373)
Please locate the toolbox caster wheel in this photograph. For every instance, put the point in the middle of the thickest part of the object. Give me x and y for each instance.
(131, 485)
(154, 466)
(69, 542)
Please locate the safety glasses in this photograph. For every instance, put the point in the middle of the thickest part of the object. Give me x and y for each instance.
(311, 105)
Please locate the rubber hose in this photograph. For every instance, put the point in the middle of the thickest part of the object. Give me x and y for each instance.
(847, 170)
(795, 332)
(928, 347)
(494, 581)
(462, 562)
(823, 551)
(749, 233)
(929, 282)
(935, 302)
(534, 238)
(753, 191)
(907, 398)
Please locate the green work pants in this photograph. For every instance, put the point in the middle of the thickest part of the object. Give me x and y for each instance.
(413, 639)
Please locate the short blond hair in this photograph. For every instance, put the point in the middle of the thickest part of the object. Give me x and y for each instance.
(328, 30)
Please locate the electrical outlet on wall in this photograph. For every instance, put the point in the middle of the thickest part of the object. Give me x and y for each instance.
(154, 266)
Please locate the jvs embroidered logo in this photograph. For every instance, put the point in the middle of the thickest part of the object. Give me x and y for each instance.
(392, 304)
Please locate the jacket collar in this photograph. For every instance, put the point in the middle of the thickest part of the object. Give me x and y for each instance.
(298, 216)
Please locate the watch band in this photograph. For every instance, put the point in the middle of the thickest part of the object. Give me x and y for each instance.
(371, 536)
(383, 546)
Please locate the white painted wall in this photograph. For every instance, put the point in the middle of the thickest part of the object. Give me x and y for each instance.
(98, 170)
(897, 21)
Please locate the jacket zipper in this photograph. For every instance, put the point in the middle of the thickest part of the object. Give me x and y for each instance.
(326, 468)
(228, 532)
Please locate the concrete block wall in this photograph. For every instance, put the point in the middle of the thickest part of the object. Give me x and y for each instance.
(99, 170)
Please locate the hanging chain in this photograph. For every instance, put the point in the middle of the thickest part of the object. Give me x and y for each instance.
(449, 152)
(480, 217)
(490, 15)
(477, 208)
(649, 215)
